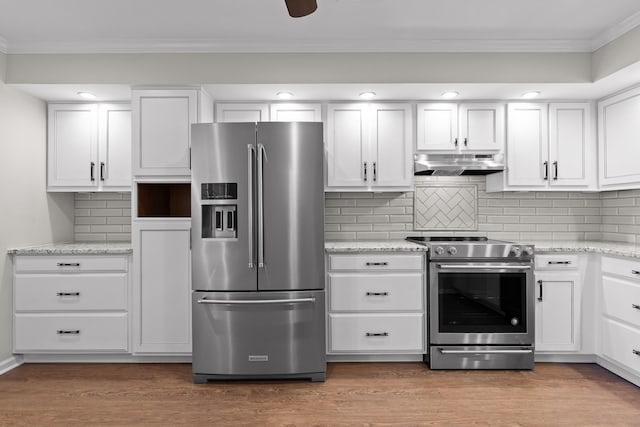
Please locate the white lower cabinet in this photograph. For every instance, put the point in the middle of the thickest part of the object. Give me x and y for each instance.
(71, 304)
(162, 287)
(376, 304)
(558, 300)
(619, 336)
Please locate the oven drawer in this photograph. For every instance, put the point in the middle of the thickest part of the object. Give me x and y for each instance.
(556, 262)
(376, 262)
(621, 343)
(379, 292)
(372, 333)
(56, 292)
(621, 299)
(71, 333)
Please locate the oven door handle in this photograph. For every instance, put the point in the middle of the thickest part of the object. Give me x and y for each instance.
(495, 268)
(522, 351)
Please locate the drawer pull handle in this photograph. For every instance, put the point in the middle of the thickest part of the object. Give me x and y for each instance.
(68, 294)
(635, 272)
(377, 294)
(369, 264)
(68, 331)
(377, 334)
(68, 264)
(636, 306)
(559, 262)
(636, 352)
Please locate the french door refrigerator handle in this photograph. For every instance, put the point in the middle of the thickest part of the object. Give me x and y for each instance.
(256, 301)
(261, 154)
(250, 156)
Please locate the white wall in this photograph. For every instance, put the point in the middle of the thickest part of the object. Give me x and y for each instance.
(28, 215)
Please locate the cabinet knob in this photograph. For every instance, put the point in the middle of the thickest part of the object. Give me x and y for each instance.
(636, 272)
(636, 306)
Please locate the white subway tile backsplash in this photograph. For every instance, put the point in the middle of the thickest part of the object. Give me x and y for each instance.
(612, 215)
(102, 217)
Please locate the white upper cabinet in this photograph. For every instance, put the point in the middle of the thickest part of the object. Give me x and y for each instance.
(162, 130)
(237, 112)
(619, 141)
(296, 112)
(470, 127)
(549, 147)
(347, 145)
(89, 147)
(114, 144)
(369, 147)
(437, 127)
(481, 127)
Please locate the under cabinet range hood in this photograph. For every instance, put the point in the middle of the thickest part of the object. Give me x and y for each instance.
(458, 164)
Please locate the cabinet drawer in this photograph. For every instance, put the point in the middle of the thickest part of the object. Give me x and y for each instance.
(56, 292)
(376, 333)
(70, 264)
(621, 343)
(376, 292)
(375, 262)
(71, 332)
(556, 262)
(621, 299)
(621, 267)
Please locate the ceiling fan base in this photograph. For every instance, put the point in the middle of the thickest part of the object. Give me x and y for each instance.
(300, 8)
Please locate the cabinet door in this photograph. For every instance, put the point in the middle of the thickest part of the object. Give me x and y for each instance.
(558, 311)
(527, 145)
(392, 153)
(114, 142)
(296, 113)
(481, 127)
(619, 139)
(570, 145)
(226, 113)
(72, 146)
(162, 287)
(348, 162)
(162, 131)
(437, 127)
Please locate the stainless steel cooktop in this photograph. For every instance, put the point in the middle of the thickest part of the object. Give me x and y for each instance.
(476, 247)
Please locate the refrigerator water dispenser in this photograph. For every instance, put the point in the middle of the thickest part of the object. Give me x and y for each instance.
(219, 220)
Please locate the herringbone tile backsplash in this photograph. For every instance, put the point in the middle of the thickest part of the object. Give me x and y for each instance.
(445, 207)
(613, 215)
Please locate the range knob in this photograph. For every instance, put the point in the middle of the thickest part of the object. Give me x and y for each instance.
(452, 250)
(515, 251)
(528, 250)
(439, 250)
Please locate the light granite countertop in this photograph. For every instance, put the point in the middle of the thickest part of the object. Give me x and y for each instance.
(373, 246)
(612, 248)
(75, 249)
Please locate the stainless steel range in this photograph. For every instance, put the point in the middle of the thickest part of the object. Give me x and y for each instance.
(481, 303)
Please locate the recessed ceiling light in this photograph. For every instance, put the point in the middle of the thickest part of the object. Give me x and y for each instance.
(86, 95)
(450, 95)
(284, 95)
(530, 95)
(367, 95)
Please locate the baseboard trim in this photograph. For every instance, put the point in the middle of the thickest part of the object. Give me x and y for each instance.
(619, 371)
(10, 363)
(565, 358)
(102, 358)
(374, 358)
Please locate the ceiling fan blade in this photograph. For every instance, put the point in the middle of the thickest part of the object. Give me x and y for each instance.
(300, 8)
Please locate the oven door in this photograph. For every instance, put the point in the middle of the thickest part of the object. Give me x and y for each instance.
(481, 303)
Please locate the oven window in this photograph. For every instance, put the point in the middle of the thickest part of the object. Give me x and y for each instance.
(482, 302)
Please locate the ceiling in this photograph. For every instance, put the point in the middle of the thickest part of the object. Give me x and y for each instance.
(91, 26)
(45, 26)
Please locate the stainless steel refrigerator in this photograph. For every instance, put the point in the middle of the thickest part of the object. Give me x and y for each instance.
(257, 206)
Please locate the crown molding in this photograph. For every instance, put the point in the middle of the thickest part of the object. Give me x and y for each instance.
(302, 46)
(616, 31)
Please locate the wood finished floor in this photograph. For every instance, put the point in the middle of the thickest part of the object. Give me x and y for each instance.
(362, 394)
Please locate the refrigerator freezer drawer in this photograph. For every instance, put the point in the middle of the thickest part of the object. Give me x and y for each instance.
(258, 335)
